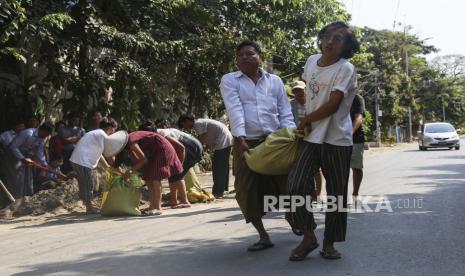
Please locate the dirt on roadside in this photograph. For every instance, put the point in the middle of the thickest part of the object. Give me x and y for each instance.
(62, 198)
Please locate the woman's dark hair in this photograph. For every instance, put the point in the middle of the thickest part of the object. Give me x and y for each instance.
(351, 44)
(108, 122)
(183, 118)
(148, 126)
(249, 43)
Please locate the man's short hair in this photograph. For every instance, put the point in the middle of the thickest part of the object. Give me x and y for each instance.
(183, 118)
(108, 122)
(249, 43)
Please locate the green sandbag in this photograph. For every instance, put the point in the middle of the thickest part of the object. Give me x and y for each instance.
(277, 154)
(121, 198)
(122, 201)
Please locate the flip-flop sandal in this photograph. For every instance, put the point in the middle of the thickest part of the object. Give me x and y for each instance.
(148, 213)
(295, 257)
(180, 206)
(330, 255)
(298, 232)
(259, 246)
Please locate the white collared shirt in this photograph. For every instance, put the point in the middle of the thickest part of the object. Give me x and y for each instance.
(256, 110)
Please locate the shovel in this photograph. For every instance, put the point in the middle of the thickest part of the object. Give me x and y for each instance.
(42, 167)
(7, 192)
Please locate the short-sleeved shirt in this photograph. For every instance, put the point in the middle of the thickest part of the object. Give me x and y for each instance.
(66, 132)
(217, 134)
(89, 149)
(358, 107)
(321, 81)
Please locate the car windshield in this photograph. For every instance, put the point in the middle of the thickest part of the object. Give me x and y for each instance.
(439, 128)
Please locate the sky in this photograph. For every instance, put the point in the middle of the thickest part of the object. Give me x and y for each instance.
(438, 21)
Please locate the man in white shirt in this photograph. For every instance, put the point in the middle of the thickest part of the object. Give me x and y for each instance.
(257, 105)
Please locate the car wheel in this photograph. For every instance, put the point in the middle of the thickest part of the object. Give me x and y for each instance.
(420, 147)
(450, 148)
(457, 147)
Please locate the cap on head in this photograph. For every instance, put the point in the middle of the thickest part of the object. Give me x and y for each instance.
(298, 85)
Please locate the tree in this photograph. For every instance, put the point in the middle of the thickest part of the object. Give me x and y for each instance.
(147, 58)
(397, 60)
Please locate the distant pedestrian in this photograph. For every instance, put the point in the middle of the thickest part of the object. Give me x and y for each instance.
(357, 112)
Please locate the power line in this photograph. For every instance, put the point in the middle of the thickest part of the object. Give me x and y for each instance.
(395, 16)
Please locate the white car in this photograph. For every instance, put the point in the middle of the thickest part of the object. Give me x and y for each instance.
(438, 135)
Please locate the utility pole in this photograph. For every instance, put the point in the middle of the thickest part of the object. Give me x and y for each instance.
(443, 112)
(410, 124)
(410, 135)
(378, 129)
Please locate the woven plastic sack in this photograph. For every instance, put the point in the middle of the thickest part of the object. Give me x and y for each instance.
(122, 201)
(121, 198)
(277, 154)
(195, 193)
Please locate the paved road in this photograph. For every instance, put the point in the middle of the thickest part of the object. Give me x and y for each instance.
(423, 235)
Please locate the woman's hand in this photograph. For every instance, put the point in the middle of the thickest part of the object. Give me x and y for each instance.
(303, 123)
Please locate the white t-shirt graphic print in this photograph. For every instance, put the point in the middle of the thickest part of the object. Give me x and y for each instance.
(321, 81)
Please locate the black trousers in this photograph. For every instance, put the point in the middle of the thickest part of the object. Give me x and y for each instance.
(220, 170)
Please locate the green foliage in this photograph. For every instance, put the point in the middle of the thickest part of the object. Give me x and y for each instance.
(368, 127)
(148, 58)
(396, 60)
(160, 58)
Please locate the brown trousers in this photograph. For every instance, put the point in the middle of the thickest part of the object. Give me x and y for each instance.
(251, 187)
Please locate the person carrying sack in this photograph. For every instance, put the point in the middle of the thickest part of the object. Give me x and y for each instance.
(257, 105)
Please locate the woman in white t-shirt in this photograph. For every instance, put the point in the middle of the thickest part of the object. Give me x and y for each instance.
(331, 86)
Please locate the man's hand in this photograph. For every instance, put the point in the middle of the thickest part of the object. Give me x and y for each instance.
(242, 145)
(28, 161)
